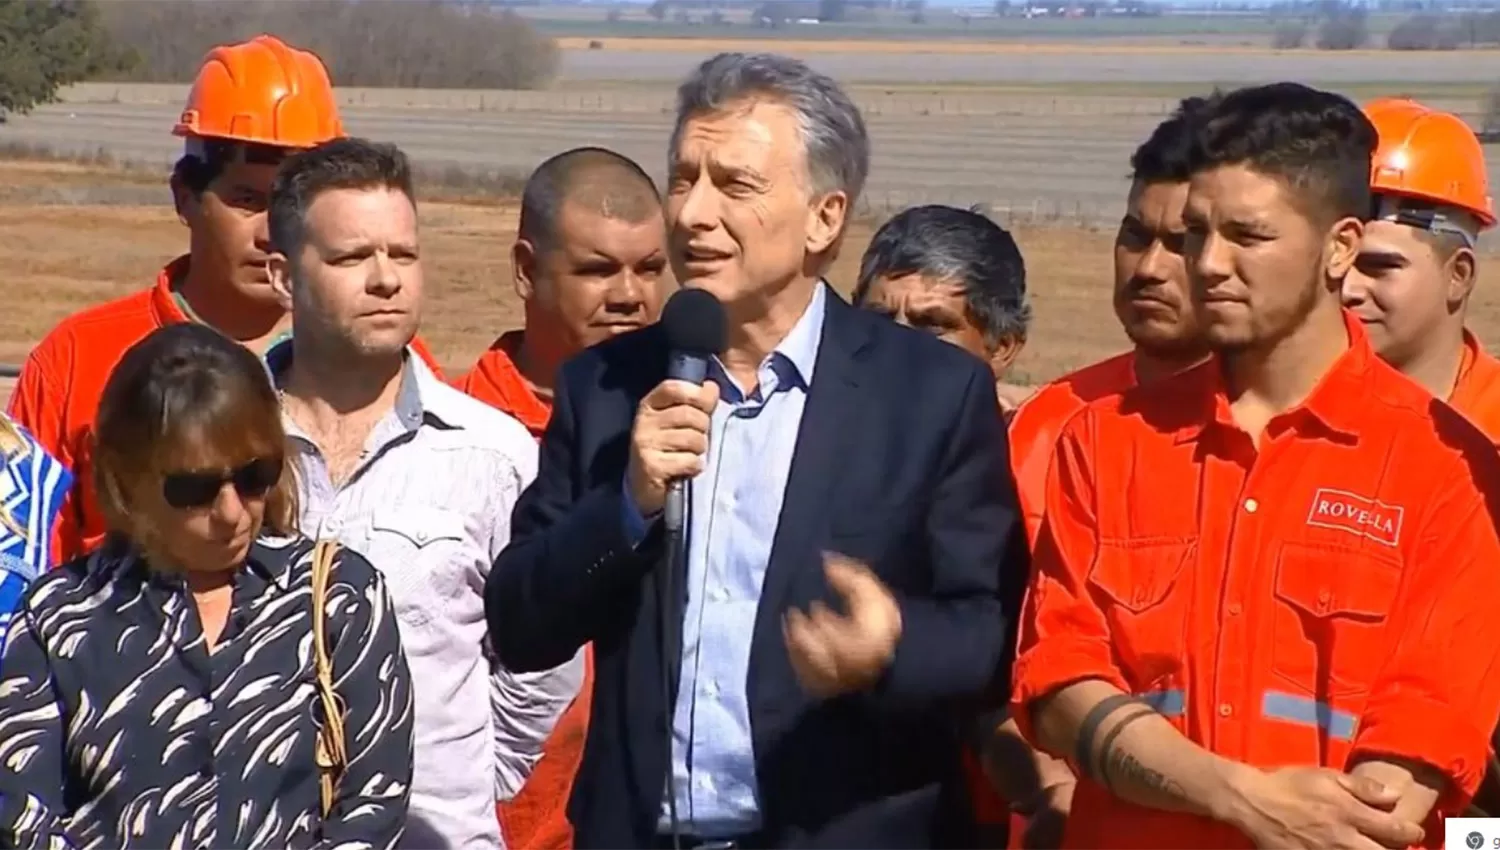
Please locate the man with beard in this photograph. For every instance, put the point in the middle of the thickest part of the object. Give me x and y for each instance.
(587, 264)
(1154, 305)
(1151, 300)
(1261, 610)
(413, 474)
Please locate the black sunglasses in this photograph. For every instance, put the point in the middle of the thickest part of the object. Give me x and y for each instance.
(186, 490)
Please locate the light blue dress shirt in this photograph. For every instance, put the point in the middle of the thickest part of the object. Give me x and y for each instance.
(732, 518)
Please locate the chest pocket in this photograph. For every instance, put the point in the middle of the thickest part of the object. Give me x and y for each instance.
(426, 557)
(1145, 591)
(1329, 634)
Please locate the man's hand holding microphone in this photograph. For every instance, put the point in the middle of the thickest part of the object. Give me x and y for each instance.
(831, 653)
(668, 440)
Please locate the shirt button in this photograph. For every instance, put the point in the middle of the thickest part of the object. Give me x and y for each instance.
(1225, 709)
(331, 527)
(1235, 609)
(1251, 505)
(1140, 597)
(718, 594)
(705, 781)
(1324, 597)
(711, 689)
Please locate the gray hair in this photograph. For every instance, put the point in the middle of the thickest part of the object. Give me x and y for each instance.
(961, 246)
(833, 132)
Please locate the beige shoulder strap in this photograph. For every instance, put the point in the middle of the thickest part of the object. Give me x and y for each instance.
(332, 755)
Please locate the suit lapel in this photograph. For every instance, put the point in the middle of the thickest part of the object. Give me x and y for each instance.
(822, 445)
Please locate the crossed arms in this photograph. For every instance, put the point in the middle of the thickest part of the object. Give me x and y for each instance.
(1422, 737)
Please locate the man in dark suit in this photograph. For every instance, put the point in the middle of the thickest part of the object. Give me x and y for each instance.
(837, 461)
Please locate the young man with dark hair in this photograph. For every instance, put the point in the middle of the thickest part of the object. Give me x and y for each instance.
(1251, 576)
(588, 264)
(1418, 265)
(955, 274)
(415, 475)
(253, 104)
(1151, 300)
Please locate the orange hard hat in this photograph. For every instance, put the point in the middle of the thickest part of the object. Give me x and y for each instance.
(264, 92)
(1430, 156)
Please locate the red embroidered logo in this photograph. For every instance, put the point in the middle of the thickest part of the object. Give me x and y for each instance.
(1357, 515)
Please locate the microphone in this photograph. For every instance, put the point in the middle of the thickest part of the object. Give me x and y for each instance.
(694, 323)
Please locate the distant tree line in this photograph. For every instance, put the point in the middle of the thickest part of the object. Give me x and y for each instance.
(45, 44)
(1337, 26)
(389, 43)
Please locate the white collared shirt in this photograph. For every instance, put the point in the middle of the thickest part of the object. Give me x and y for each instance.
(429, 505)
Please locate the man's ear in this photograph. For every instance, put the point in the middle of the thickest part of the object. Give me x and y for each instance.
(825, 221)
(1005, 354)
(279, 270)
(183, 200)
(1461, 273)
(523, 268)
(1342, 247)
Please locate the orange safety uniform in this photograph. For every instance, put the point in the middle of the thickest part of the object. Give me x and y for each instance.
(1325, 595)
(1476, 393)
(537, 817)
(1033, 432)
(58, 393)
(496, 381)
(1434, 158)
(1034, 429)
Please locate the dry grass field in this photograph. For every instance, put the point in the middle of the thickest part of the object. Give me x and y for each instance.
(63, 257)
(1039, 134)
(1031, 154)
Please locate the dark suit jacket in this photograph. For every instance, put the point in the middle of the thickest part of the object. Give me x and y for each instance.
(901, 461)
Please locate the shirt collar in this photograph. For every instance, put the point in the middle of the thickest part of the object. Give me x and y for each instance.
(420, 396)
(800, 346)
(791, 362)
(166, 308)
(270, 560)
(496, 379)
(1337, 402)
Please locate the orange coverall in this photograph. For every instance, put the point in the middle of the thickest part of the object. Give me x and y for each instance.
(1326, 595)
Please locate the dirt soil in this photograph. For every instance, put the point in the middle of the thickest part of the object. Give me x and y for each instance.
(62, 258)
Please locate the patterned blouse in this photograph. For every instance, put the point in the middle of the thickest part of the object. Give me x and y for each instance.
(118, 728)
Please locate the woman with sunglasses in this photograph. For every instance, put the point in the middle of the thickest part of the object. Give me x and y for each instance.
(160, 691)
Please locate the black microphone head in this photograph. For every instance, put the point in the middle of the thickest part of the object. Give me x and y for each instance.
(694, 322)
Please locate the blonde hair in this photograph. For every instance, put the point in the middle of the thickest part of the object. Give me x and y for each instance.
(11, 445)
(184, 396)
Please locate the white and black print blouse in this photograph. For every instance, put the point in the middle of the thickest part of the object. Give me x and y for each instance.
(118, 729)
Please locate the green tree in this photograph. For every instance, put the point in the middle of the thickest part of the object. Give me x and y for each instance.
(47, 44)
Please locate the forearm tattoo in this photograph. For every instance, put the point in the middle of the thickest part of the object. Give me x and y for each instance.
(1127, 769)
(1083, 754)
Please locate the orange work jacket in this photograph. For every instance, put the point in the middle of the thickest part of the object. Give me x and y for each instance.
(1324, 595)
